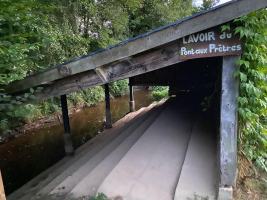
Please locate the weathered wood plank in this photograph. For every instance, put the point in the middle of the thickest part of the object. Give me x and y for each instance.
(2, 191)
(128, 68)
(101, 73)
(64, 70)
(229, 122)
(155, 39)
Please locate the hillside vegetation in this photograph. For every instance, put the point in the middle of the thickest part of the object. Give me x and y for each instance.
(38, 34)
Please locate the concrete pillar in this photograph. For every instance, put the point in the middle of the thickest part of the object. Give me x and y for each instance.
(108, 114)
(69, 150)
(132, 104)
(228, 128)
(225, 193)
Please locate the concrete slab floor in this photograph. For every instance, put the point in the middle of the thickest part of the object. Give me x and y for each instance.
(150, 170)
(199, 173)
(89, 185)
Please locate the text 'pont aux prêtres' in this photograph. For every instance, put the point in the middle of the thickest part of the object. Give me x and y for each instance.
(210, 43)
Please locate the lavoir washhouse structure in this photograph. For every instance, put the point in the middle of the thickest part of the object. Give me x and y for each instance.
(171, 151)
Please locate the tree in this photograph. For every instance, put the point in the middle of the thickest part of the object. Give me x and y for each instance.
(152, 14)
(21, 38)
(38, 34)
(30, 42)
(206, 4)
(104, 22)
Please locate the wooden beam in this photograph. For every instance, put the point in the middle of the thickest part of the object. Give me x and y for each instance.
(101, 73)
(2, 190)
(64, 70)
(137, 65)
(149, 41)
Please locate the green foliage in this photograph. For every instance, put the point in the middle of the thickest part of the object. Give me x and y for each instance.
(26, 114)
(160, 88)
(152, 14)
(37, 34)
(87, 97)
(206, 4)
(30, 113)
(20, 38)
(252, 99)
(32, 38)
(7, 106)
(4, 127)
(208, 101)
(100, 196)
(159, 93)
(48, 107)
(206, 104)
(29, 42)
(119, 88)
(103, 22)
(209, 4)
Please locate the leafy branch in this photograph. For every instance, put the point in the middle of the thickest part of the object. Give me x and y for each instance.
(252, 98)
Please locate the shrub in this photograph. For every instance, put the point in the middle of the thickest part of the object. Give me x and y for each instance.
(119, 88)
(159, 95)
(87, 97)
(93, 96)
(160, 88)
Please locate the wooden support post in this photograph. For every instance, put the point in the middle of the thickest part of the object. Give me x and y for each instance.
(228, 127)
(69, 150)
(132, 105)
(2, 190)
(108, 114)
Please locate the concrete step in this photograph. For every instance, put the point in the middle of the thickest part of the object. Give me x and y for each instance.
(198, 178)
(93, 159)
(151, 168)
(90, 184)
(50, 178)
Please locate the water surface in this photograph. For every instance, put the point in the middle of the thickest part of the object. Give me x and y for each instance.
(28, 155)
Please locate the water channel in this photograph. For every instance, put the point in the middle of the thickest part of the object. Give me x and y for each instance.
(28, 155)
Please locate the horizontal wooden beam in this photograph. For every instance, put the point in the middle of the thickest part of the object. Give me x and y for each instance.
(128, 68)
(149, 41)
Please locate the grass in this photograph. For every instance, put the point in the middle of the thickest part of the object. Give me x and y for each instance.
(251, 183)
(252, 188)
